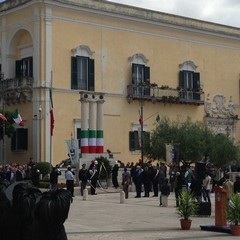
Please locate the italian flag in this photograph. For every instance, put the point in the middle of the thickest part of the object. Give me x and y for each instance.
(17, 118)
(51, 113)
(3, 117)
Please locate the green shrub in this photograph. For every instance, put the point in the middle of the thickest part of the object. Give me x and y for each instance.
(44, 168)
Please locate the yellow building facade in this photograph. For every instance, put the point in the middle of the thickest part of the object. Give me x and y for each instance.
(139, 63)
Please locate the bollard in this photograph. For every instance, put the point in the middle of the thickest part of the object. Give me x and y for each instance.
(122, 196)
(85, 194)
(164, 201)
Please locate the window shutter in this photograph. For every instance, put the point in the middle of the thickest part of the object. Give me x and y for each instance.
(18, 70)
(196, 85)
(30, 67)
(134, 73)
(181, 79)
(133, 141)
(74, 84)
(196, 80)
(91, 86)
(146, 139)
(147, 80)
(20, 140)
(147, 74)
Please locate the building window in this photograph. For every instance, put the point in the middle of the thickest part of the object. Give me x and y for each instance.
(141, 79)
(189, 83)
(82, 73)
(20, 140)
(24, 67)
(135, 140)
(79, 137)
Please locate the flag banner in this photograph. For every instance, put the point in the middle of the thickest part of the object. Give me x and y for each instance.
(176, 153)
(17, 118)
(169, 153)
(51, 113)
(73, 150)
(3, 117)
(140, 118)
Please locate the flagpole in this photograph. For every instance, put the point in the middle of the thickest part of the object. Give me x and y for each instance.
(50, 121)
(141, 116)
(4, 126)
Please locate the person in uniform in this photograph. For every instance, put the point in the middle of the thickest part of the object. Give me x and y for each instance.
(93, 177)
(69, 175)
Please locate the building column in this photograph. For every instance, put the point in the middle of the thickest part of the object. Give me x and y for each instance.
(100, 146)
(84, 124)
(92, 125)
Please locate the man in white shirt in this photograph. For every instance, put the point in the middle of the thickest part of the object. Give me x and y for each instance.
(69, 175)
(206, 188)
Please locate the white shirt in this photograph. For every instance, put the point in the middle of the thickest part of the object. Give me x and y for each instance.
(69, 175)
(207, 182)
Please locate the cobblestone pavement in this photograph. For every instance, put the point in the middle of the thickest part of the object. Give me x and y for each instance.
(102, 217)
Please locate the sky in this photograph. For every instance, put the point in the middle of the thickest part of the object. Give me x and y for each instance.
(226, 12)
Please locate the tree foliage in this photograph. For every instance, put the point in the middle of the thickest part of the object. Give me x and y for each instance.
(196, 143)
(6, 127)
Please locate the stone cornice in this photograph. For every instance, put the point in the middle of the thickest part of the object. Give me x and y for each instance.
(103, 7)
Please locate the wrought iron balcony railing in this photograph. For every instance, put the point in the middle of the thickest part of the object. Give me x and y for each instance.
(164, 94)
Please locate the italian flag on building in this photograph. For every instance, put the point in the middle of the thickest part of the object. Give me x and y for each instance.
(17, 118)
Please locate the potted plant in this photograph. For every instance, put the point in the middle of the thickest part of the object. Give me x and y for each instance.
(187, 208)
(233, 214)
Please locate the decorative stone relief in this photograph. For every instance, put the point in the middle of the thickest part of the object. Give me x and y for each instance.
(82, 50)
(221, 117)
(138, 58)
(188, 66)
(220, 110)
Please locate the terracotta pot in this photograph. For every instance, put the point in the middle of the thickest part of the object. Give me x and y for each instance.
(185, 224)
(235, 230)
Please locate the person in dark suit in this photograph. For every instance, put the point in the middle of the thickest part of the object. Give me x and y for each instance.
(178, 187)
(137, 179)
(82, 177)
(236, 185)
(54, 178)
(115, 175)
(146, 179)
(155, 180)
(196, 188)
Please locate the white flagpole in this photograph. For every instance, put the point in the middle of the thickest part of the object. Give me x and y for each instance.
(50, 90)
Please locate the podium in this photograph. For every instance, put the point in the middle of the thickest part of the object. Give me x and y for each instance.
(220, 207)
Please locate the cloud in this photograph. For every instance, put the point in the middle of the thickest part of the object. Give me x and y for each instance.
(219, 11)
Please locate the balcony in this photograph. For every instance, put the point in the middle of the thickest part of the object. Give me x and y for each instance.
(16, 90)
(164, 94)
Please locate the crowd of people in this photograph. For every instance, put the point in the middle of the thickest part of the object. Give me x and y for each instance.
(162, 179)
(31, 212)
(26, 212)
(15, 172)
